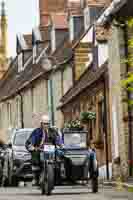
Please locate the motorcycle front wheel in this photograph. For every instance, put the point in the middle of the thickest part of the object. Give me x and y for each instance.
(47, 183)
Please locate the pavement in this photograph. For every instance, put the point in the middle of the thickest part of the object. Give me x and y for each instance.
(65, 193)
(120, 185)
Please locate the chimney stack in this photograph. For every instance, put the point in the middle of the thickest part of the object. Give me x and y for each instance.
(47, 7)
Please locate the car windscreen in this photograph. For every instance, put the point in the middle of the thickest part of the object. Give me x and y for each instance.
(75, 140)
(20, 138)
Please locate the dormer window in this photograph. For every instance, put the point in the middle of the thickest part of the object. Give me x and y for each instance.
(91, 14)
(21, 47)
(36, 39)
(75, 26)
(20, 62)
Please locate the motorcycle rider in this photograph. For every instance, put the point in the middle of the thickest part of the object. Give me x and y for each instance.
(40, 136)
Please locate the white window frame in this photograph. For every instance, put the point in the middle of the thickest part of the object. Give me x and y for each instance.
(20, 62)
(34, 53)
(86, 18)
(71, 28)
(102, 53)
(53, 39)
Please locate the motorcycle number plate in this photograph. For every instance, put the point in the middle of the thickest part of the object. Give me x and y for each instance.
(49, 148)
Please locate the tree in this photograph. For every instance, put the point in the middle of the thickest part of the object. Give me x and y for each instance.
(127, 83)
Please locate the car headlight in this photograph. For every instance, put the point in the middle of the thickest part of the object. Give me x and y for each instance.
(27, 156)
(2, 154)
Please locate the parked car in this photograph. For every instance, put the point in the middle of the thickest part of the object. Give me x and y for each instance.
(19, 167)
(3, 152)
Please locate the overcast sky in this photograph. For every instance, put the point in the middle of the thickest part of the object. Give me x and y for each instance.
(22, 16)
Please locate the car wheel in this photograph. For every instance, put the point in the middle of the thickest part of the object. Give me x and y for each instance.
(14, 181)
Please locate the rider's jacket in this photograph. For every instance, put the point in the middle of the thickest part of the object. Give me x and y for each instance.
(37, 136)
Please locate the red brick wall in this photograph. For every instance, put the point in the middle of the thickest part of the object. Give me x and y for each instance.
(50, 6)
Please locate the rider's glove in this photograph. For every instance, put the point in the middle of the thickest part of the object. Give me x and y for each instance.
(31, 148)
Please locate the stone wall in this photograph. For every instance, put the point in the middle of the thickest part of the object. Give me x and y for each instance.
(67, 78)
(34, 102)
(62, 81)
(117, 107)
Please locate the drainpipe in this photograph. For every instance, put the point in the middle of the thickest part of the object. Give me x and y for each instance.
(130, 150)
(21, 110)
(106, 129)
(51, 100)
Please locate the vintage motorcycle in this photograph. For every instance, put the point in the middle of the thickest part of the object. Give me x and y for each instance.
(70, 164)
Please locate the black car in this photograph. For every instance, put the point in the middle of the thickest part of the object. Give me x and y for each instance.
(19, 167)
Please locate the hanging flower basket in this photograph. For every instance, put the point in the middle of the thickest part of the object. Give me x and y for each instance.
(86, 116)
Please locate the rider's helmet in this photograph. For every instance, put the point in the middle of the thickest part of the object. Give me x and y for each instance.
(45, 119)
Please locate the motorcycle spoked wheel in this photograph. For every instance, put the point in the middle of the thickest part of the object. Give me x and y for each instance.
(47, 183)
(94, 184)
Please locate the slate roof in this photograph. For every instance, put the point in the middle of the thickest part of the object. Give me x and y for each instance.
(87, 79)
(13, 82)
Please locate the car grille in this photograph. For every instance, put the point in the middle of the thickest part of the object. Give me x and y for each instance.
(27, 169)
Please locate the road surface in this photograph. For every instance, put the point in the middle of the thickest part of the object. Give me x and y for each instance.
(64, 193)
